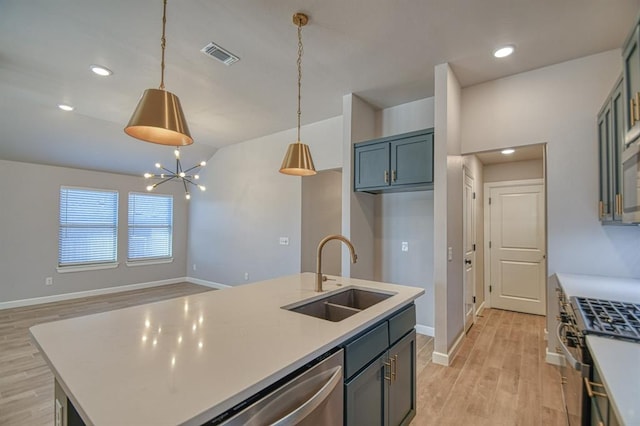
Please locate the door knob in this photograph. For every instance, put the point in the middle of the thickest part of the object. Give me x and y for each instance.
(467, 262)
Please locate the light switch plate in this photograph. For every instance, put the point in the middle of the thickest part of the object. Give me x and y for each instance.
(450, 254)
(284, 241)
(405, 246)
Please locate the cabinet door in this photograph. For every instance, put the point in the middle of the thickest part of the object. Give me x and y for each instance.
(402, 388)
(366, 396)
(412, 160)
(604, 142)
(371, 168)
(617, 147)
(631, 58)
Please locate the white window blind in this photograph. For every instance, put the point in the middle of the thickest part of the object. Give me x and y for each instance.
(150, 226)
(88, 232)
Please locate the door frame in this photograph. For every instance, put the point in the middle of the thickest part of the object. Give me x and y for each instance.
(487, 227)
(466, 171)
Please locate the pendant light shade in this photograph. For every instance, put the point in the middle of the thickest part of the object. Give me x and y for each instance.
(297, 161)
(158, 118)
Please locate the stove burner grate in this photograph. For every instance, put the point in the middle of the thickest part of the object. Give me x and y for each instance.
(609, 318)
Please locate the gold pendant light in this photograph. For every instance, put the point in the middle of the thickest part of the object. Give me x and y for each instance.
(298, 161)
(158, 118)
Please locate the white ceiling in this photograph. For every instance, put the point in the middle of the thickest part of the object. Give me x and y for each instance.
(384, 51)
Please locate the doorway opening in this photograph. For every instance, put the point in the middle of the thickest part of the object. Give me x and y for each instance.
(509, 232)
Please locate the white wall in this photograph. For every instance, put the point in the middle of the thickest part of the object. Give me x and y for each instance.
(321, 216)
(515, 170)
(235, 226)
(29, 219)
(448, 162)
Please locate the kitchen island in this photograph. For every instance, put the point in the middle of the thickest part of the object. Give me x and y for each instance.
(187, 360)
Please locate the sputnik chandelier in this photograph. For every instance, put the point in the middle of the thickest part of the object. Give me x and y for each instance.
(186, 176)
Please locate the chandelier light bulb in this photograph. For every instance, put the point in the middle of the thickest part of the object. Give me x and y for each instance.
(203, 163)
(202, 187)
(182, 174)
(158, 165)
(150, 188)
(147, 175)
(177, 153)
(188, 197)
(196, 177)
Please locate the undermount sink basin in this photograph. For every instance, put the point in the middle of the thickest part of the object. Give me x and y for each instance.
(338, 306)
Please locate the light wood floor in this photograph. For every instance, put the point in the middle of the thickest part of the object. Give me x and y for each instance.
(499, 376)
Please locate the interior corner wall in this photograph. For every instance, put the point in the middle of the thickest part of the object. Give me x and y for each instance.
(558, 105)
(515, 170)
(406, 217)
(236, 224)
(29, 232)
(357, 207)
(449, 319)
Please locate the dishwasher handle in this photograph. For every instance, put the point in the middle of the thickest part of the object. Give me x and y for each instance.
(312, 403)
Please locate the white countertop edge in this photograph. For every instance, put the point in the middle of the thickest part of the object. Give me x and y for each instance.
(257, 387)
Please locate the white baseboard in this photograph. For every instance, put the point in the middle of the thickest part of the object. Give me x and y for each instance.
(206, 283)
(426, 330)
(447, 359)
(554, 358)
(480, 309)
(96, 292)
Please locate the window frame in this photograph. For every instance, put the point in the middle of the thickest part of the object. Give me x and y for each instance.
(63, 267)
(149, 260)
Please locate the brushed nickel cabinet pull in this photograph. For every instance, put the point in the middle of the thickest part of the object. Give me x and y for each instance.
(632, 113)
(386, 176)
(394, 374)
(636, 110)
(393, 176)
(590, 390)
(619, 204)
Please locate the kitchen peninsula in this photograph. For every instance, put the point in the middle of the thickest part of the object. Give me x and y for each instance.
(189, 359)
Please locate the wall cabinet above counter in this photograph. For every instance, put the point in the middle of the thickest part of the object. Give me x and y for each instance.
(395, 163)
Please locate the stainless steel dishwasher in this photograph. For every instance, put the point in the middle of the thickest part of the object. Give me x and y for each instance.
(313, 397)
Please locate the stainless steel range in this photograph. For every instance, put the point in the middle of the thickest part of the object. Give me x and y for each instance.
(607, 318)
(581, 316)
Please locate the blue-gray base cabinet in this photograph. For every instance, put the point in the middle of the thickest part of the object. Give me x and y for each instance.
(380, 373)
(395, 163)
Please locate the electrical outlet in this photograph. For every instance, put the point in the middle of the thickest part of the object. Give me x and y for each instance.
(246, 276)
(450, 254)
(405, 246)
(48, 281)
(284, 241)
(193, 267)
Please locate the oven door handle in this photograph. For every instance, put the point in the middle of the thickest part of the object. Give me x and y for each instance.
(574, 363)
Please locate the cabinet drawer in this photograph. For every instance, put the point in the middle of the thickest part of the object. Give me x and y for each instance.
(401, 323)
(361, 351)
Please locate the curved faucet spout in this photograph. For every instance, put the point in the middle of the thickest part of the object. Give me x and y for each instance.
(319, 277)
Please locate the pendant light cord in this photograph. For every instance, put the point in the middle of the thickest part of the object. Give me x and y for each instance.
(163, 43)
(300, 51)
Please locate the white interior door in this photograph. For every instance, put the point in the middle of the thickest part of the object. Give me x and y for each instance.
(469, 233)
(517, 248)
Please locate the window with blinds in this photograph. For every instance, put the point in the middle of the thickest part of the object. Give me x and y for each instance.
(88, 232)
(150, 226)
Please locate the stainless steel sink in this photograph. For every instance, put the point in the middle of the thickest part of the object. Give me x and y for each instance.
(338, 306)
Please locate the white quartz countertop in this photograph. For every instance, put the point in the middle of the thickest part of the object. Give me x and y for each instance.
(619, 366)
(618, 361)
(186, 360)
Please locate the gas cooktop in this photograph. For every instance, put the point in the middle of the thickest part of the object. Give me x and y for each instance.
(607, 318)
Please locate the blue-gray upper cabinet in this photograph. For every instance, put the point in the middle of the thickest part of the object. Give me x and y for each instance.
(631, 70)
(395, 163)
(610, 147)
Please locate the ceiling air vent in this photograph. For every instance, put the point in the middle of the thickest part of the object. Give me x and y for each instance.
(219, 54)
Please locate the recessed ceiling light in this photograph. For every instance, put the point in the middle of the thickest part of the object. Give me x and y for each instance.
(507, 151)
(503, 52)
(100, 70)
(65, 107)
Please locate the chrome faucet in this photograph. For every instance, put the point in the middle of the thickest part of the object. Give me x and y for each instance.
(319, 277)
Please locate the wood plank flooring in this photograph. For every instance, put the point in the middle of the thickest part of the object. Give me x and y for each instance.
(499, 376)
(26, 383)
